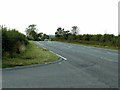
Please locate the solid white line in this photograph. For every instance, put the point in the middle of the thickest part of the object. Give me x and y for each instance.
(39, 43)
(59, 63)
(109, 59)
(53, 52)
(59, 56)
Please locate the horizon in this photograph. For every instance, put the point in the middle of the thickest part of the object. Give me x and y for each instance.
(56, 30)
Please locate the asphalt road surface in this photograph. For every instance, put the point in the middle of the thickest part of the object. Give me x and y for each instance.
(82, 67)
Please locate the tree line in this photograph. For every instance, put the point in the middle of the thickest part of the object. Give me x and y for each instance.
(32, 34)
(94, 39)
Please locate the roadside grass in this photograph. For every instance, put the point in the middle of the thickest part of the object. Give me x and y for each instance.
(34, 54)
(0, 64)
(95, 45)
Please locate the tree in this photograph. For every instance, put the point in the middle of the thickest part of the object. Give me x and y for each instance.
(34, 35)
(97, 39)
(75, 30)
(66, 34)
(40, 35)
(59, 32)
(86, 37)
(45, 36)
(70, 37)
(31, 32)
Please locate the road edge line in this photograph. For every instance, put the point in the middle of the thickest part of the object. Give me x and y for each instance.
(53, 52)
(58, 55)
(35, 65)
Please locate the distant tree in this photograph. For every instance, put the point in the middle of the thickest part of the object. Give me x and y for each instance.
(97, 39)
(59, 32)
(70, 37)
(31, 32)
(66, 34)
(40, 35)
(34, 35)
(45, 36)
(75, 30)
(86, 37)
(80, 37)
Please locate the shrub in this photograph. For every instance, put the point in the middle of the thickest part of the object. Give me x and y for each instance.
(12, 41)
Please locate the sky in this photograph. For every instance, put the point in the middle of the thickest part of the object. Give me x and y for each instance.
(91, 16)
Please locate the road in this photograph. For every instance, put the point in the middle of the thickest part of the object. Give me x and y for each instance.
(85, 67)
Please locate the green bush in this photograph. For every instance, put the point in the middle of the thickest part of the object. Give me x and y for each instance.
(12, 41)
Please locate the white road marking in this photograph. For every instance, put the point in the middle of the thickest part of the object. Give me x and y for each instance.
(109, 59)
(40, 44)
(53, 52)
(59, 56)
(59, 63)
(69, 47)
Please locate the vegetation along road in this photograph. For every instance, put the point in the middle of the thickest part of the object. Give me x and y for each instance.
(82, 67)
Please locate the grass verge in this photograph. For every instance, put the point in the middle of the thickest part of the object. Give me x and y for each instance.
(98, 46)
(33, 55)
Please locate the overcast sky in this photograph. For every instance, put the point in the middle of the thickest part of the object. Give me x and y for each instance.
(91, 16)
